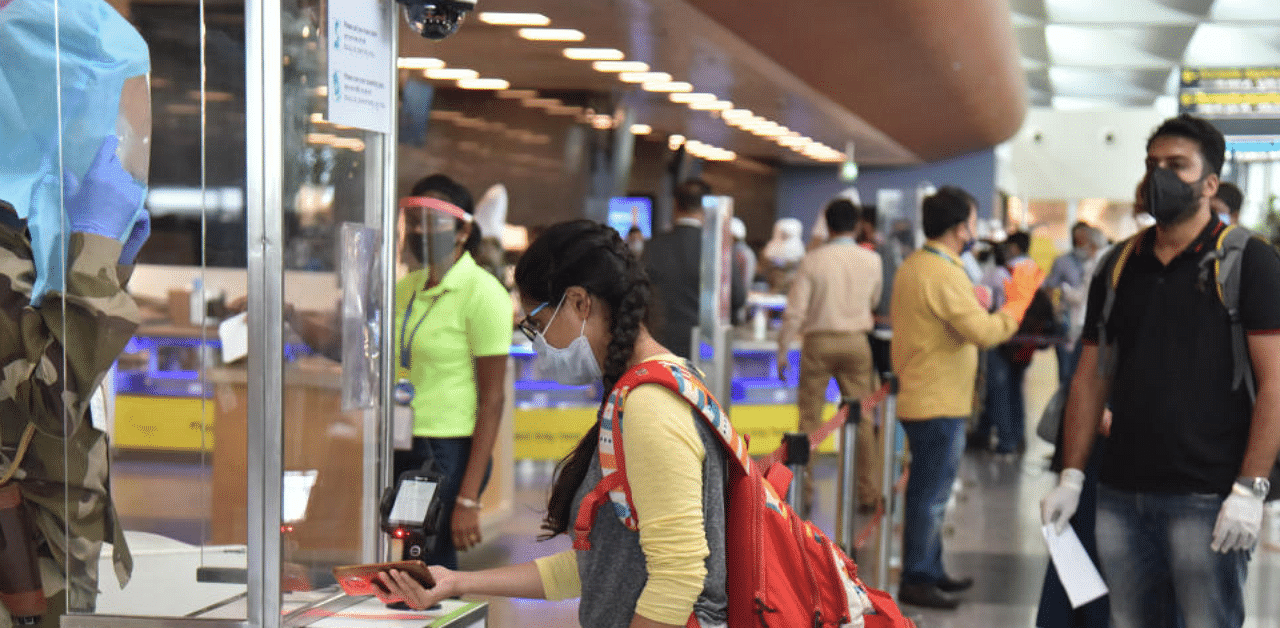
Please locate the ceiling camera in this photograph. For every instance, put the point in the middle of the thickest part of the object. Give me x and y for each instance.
(436, 19)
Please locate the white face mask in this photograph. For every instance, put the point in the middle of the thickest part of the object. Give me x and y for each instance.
(574, 365)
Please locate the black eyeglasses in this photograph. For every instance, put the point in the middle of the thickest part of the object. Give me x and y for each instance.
(527, 327)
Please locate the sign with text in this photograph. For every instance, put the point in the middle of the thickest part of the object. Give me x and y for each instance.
(360, 56)
(1230, 92)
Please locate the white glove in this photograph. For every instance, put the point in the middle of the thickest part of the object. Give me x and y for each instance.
(1238, 522)
(1060, 504)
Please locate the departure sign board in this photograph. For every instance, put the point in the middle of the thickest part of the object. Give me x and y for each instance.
(1230, 92)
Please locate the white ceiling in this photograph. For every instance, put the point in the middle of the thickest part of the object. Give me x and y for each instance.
(1082, 54)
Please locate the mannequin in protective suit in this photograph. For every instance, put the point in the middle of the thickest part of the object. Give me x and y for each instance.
(71, 225)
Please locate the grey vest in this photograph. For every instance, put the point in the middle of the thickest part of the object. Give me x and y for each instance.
(613, 571)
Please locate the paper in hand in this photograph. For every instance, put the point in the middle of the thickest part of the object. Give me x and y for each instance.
(1076, 570)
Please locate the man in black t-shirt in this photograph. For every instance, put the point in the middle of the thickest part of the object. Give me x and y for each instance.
(1184, 474)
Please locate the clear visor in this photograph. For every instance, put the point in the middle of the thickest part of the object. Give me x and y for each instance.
(433, 230)
(133, 127)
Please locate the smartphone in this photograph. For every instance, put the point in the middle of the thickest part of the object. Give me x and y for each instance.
(363, 580)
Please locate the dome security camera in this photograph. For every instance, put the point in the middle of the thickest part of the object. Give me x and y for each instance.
(436, 19)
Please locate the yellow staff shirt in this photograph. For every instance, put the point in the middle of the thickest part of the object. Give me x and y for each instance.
(938, 326)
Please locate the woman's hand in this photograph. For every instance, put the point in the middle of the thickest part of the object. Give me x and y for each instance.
(405, 587)
(466, 527)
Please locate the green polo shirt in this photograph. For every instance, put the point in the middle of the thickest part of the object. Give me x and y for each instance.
(467, 315)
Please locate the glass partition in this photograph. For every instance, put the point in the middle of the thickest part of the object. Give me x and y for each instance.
(191, 418)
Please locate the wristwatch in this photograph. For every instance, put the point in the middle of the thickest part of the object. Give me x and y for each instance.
(1258, 486)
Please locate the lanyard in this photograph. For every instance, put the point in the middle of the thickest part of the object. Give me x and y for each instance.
(930, 249)
(406, 340)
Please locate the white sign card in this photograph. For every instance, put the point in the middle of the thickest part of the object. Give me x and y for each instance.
(360, 56)
(1076, 570)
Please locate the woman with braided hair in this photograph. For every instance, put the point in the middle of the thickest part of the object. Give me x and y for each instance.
(587, 298)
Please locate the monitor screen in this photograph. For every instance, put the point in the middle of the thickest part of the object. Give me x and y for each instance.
(628, 211)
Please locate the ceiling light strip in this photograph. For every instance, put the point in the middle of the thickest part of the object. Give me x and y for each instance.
(551, 34)
(514, 19)
(620, 66)
(594, 54)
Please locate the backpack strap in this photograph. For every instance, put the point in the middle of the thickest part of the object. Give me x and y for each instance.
(1226, 259)
(1109, 270)
(680, 380)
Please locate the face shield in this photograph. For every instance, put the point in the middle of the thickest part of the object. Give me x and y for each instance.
(434, 231)
(79, 81)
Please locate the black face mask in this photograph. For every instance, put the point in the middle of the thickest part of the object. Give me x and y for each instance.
(417, 245)
(1169, 199)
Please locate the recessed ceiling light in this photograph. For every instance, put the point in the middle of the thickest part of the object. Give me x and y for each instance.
(675, 141)
(644, 77)
(713, 105)
(542, 102)
(668, 86)
(686, 98)
(620, 66)
(451, 74)
(551, 34)
(419, 63)
(737, 114)
(517, 94)
(641, 129)
(594, 54)
(514, 19)
(483, 83)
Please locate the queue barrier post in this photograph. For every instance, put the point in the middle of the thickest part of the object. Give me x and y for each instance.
(847, 494)
(889, 427)
(797, 447)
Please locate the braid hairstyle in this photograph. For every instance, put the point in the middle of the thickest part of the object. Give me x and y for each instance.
(594, 257)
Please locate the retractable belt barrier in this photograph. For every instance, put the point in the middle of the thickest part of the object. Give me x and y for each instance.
(795, 450)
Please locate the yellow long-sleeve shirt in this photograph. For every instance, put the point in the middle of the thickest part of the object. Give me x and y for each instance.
(664, 457)
(938, 326)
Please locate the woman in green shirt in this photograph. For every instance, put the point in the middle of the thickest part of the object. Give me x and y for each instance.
(453, 332)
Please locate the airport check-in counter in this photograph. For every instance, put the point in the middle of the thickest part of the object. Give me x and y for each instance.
(551, 418)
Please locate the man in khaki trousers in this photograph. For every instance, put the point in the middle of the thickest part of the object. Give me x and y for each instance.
(830, 307)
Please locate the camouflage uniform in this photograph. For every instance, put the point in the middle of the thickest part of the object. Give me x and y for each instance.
(64, 475)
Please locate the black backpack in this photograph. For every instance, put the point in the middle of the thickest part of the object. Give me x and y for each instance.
(1038, 329)
(1223, 263)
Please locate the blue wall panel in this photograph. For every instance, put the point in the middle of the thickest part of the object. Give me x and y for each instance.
(804, 191)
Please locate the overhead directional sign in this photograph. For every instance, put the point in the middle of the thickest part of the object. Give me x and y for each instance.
(1230, 92)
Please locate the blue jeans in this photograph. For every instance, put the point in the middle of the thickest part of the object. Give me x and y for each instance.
(1068, 356)
(1155, 556)
(1006, 404)
(936, 447)
(450, 456)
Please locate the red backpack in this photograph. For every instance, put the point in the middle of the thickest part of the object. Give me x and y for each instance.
(782, 571)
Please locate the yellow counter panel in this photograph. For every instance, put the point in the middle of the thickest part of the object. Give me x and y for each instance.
(551, 433)
(144, 422)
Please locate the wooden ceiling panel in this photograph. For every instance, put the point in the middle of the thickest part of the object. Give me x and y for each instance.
(940, 78)
(673, 37)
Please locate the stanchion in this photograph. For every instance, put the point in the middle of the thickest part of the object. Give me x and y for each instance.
(848, 488)
(889, 428)
(797, 447)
